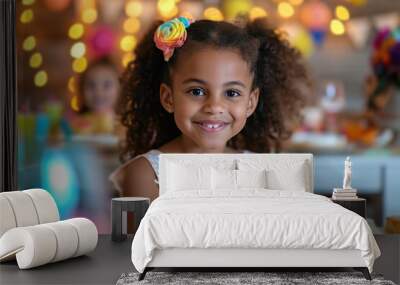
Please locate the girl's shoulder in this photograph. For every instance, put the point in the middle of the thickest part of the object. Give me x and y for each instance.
(135, 165)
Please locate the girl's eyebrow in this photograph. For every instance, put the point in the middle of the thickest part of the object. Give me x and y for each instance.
(196, 80)
(235, 83)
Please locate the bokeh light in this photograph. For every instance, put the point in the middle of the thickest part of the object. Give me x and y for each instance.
(29, 43)
(76, 31)
(257, 12)
(36, 60)
(72, 84)
(213, 14)
(78, 50)
(342, 13)
(235, 8)
(133, 9)
(26, 16)
(128, 43)
(89, 16)
(296, 2)
(285, 10)
(337, 27)
(41, 78)
(167, 8)
(79, 65)
(27, 2)
(128, 57)
(74, 103)
(131, 25)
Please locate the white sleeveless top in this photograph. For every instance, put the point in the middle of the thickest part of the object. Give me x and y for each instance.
(152, 157)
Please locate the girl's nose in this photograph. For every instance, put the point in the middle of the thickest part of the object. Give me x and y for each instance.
(214, 105)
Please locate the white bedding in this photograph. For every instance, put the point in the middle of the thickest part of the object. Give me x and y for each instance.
(252, 218)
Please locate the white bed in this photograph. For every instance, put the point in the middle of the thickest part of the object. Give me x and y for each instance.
(209, 222)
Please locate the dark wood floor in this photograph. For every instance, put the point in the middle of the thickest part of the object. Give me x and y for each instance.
(110, 259)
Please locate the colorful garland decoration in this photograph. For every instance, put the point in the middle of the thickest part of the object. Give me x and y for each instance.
(385, 58)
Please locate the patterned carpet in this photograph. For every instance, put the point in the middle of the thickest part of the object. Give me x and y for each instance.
(230, 278)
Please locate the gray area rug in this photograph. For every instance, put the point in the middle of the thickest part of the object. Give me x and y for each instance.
(229, 278)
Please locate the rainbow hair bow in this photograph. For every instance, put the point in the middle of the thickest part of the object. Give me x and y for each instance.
(171, 34)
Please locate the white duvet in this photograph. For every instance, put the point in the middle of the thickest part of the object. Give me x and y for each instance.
(252, 218)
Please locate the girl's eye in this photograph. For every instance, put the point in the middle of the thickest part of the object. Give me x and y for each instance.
(197, 92)
(232, 93)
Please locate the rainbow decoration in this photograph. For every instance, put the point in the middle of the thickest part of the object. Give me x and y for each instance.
(171, 34)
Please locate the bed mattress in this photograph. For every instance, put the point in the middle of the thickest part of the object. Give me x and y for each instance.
(251, 219)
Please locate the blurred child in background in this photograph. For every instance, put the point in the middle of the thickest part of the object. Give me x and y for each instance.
(98, 89)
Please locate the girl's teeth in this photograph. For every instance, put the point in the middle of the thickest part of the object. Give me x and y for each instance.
(212, 126)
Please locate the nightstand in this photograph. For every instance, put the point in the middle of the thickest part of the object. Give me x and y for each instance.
(119, 207)
(358, 205)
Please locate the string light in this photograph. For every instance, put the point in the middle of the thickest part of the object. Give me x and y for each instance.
(36, 60)
(296, 2)
(257, 12)
(167, 8)
(26, 16)
(89, 16)
(28, 2)
(78, 50)
(128, 57)
(213, 14)
(342, 13)
(41, 78)
(79, 65)
(337, 27)
(131, 25)
(285, 10)
(72, 84)
(76, 31)
(133, 9)
(29, 43)
(74, 103)
(128, 43)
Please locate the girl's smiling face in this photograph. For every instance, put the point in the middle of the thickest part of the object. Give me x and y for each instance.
(211, 98)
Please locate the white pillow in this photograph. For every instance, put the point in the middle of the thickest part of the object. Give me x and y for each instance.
(251, 178)
(224, 179)
(281, 175)
(295, 180)
(181, 177)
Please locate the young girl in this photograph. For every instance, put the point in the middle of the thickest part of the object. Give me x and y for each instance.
(204, 87)
(98, 89)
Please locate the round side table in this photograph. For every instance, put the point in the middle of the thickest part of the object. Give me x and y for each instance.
(119, 207)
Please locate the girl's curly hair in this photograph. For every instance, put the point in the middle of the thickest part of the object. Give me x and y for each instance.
(276, 66)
